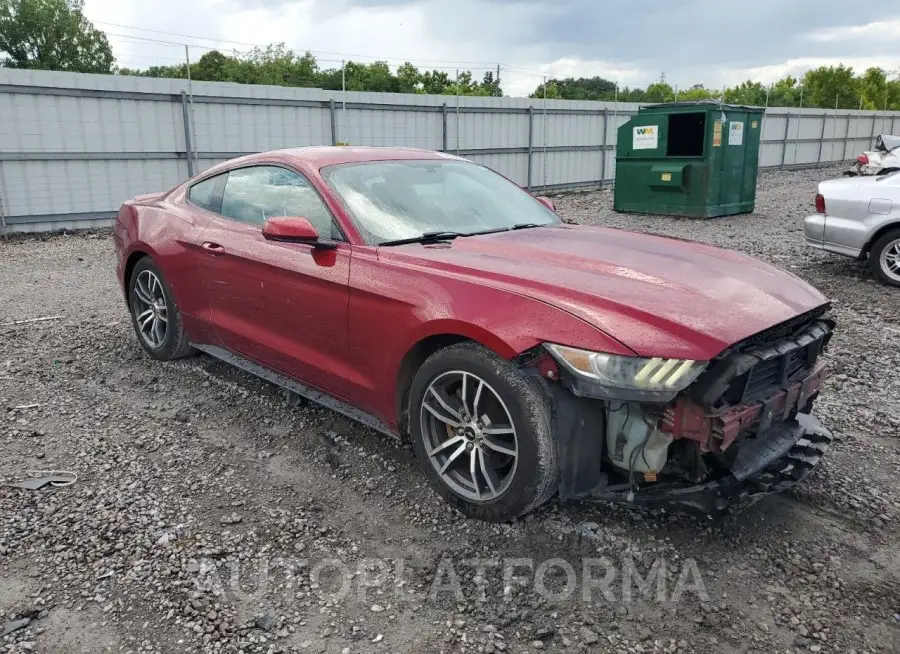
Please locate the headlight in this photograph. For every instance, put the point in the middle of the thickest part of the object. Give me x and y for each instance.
(655, 376)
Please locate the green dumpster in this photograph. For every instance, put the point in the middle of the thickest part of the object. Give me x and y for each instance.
(695, 159)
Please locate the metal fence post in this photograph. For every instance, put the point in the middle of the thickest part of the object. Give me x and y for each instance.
(846, 139)
(787, 126)
(821, 139)
(2, 212)
(603, 151)
(188, 150)
(530, 142)
(444, 128)
(874, 124)
(334, 139)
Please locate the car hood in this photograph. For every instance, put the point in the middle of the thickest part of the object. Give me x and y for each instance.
(659, 296)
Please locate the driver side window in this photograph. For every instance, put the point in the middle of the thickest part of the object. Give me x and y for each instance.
(256, 193)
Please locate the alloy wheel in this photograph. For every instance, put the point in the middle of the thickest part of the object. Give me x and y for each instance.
(469, 435)
(150, 310)
(890, 260)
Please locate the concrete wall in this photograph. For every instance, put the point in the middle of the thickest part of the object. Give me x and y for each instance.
(73, 146)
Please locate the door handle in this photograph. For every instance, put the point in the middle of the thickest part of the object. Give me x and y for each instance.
(213, 248)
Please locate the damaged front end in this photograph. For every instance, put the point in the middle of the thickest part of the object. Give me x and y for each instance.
(739, 429)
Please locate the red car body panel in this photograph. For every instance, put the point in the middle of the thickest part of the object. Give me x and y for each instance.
(343, 320)
(660, 296)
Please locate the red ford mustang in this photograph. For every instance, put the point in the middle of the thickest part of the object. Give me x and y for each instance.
(432, 299)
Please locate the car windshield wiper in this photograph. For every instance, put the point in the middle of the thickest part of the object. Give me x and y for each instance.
(435, 237)
(427, 237)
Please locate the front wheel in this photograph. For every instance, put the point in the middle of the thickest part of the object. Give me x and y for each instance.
(884, 258)
(481, 432)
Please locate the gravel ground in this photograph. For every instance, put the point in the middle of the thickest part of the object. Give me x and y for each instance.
(214, 513)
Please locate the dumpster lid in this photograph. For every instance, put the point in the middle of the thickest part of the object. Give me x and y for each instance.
(701, 104)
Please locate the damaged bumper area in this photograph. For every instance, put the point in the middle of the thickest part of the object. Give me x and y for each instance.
(789, 453)
(742, 430)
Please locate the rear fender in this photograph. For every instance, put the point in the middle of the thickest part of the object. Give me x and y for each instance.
(167, 239)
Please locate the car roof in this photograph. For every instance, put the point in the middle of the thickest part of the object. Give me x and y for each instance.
(321, 156)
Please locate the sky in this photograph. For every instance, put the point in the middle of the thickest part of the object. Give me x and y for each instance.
(634, 42)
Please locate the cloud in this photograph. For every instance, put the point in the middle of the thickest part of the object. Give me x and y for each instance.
(631, 41)
(879, 31)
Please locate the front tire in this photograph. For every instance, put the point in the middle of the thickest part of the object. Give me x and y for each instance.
(154, 313)
(481, 431)
(884, 258)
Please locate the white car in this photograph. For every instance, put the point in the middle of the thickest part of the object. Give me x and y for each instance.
(885, 158)
(860, 217)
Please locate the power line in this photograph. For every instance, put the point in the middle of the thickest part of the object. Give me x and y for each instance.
(154, 57)
(257, 45)
(206, 47)
(482, 65)
(160, 41)
(187, 36)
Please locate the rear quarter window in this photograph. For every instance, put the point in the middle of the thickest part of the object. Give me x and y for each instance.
(202, 194)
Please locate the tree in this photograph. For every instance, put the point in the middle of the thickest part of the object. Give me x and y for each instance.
(747, 93)
(552, 91)
(878, 92)
(52, 35)
(435, 82)
(213, 66)
(490, 85)
(408, 78)
(825, 84)
(820, 87)
(785, 93)
(696, 93)
(582, 88)
(660, 92)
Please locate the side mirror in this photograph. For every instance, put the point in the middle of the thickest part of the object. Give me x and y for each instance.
(547, 202)
(293, 230)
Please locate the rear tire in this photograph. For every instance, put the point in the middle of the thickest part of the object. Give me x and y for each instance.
(154, 314)
(496, 448)
(884, 258)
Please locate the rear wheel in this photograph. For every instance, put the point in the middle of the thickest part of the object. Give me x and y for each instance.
(154, 313)
(481, 432)
(884, 258)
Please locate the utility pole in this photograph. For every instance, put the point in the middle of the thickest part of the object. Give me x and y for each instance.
(837, 97)
(344, 99)
(616, 112)
(187, 58)
(765, 111)
(457, 112)
(497, 82)
(544, 167)
(799, 121)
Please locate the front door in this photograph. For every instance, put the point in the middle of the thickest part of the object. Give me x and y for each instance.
(283, 304)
